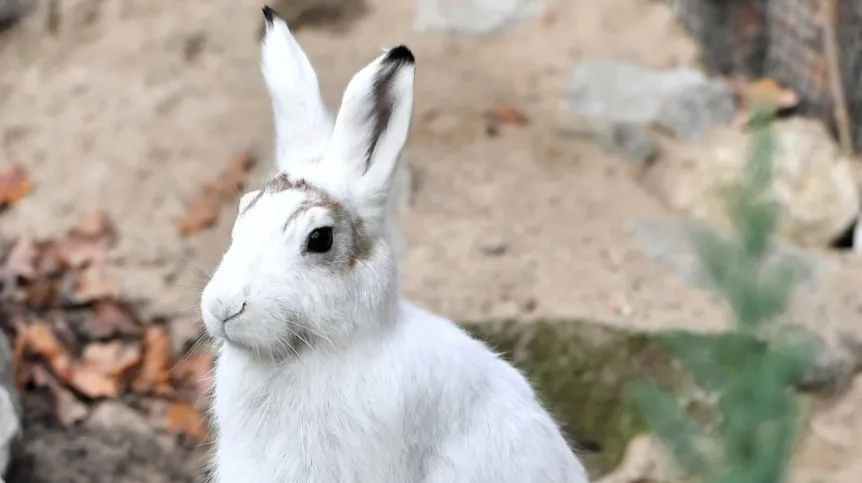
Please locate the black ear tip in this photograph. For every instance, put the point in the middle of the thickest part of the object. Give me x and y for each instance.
(400, 54)
(269, 14)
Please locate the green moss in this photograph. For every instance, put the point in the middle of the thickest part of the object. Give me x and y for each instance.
(580, 370)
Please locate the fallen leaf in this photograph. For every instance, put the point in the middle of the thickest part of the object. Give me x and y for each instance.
(113, 358)
(40, 338)
(87, 243)
(96, 226)
(155, 369)
(184, 418)
(15, 183)
(41, 293)
(768, 91)
(110, 319)
(194, 372)
(92, 382)
(201, 212)
(21, 261)
(506, 114)
(92, 284)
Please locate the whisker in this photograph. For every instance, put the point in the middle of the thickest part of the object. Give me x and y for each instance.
(199, 289)
(200, 272)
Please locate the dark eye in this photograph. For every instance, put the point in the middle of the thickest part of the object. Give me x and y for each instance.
(320, 240)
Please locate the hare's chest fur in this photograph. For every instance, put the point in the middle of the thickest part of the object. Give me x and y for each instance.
(326, 427)
(428, 405)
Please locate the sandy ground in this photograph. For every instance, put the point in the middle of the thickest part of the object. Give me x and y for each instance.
(132, 105)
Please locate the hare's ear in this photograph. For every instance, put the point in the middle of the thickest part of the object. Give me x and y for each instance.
(303, 125)
(372, 126)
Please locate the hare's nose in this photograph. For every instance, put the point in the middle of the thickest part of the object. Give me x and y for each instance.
(229, 311)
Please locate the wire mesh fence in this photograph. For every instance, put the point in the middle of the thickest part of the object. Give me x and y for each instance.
(786, 40)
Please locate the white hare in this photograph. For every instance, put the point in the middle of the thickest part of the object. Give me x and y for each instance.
(323, 374)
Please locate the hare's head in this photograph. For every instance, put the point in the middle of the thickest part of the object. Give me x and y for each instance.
(310, 261)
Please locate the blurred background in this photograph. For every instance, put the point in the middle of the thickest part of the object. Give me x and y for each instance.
(559, 151)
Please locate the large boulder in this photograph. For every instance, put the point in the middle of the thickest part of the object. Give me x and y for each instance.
(813, 182)
(581, 369)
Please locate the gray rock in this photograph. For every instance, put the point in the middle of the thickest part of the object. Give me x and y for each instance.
(494, 246)
(632, 141)
(668, 243)
(474, 17)
(10, 406)
(684, 101)
(812, 182)
(689, 113)
(12, 10)
(51, 454)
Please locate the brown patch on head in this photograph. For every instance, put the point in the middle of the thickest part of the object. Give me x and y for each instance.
(276, 184)
(282, 182)
(361, 246)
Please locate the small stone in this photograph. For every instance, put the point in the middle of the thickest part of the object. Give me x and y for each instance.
(494, 246)
(113, 414)
(529, 304)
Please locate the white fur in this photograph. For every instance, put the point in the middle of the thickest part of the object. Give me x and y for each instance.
(378, 390)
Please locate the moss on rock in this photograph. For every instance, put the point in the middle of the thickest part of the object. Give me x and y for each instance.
(580, 369)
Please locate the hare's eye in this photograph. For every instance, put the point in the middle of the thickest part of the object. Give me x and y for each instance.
(320, 240)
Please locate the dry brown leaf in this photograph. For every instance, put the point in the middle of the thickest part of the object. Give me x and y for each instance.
(92, 284)
(15, 183)
(155, 370)
(201, 212)
(110, 319)
(113, 358)
(506, 114)
(87, 243)
(184, 418)
(194, 372)
(39, 337)
(96, 226)
(42, 293)
(770, 93)
(21, 261)
(92, 382)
